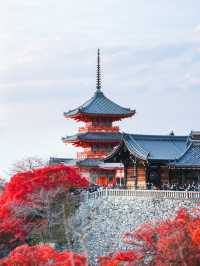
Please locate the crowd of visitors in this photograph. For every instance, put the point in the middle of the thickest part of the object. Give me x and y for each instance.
(175, 187)
(164, 186)
(150, 186)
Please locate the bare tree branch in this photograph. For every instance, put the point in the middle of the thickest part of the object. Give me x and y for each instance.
(28, 164)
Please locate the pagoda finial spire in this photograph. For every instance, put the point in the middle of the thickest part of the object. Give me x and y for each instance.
(98, 81)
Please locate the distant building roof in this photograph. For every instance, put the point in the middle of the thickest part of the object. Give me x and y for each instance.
(99, 104)
(74, 162)
(89, 162)
(153, 147)
(111, 165)
(66, 161)
(99, 137)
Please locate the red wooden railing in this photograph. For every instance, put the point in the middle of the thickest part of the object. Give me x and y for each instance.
(98, 129)
(90, 154)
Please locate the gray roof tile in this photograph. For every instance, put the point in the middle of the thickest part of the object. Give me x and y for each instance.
(99, 104)
(89, 162)
(66, 161)
(154, 147)
(190, 158)
(74, 162)
(101, 136)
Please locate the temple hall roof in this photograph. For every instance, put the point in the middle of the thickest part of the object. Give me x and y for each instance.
(153, 147)
(190, 158)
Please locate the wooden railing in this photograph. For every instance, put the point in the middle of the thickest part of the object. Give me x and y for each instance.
(149, 194)
(90, 154)
(98, 129)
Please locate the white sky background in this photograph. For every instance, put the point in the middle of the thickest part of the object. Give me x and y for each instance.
(151, 62)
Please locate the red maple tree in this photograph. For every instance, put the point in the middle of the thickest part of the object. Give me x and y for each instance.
(23, 194)
(42, 255)
(24, 184)
(174, 242)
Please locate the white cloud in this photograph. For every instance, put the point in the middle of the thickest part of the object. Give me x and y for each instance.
(48, 58)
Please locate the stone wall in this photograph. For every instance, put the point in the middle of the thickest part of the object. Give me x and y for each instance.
(99, 224)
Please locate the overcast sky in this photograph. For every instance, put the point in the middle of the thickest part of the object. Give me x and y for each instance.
(150, 56)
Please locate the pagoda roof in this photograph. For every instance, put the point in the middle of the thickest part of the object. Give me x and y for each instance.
(100, 105)
(97, 137)
(153, 147)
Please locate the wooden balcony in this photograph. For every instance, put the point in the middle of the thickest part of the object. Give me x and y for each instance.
(98, 129)
(91, 155)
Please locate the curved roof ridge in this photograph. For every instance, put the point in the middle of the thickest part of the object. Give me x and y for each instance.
(191, 143)
(154, 136)
(88, 102)
(114, 151)
(81, 106)
(182, 155)
(137, 148)
(153, 147)
(190, 158)
(176, 146)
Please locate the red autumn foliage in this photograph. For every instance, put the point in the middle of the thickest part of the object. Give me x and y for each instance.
(18, 192)
(42, 256)
(47, 178)
(174, 242)
(125, 257)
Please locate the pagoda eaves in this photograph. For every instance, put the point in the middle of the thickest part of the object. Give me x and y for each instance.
(99, 106)
(83, 138)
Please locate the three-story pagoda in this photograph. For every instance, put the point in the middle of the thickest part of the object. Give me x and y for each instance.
(99, 136)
